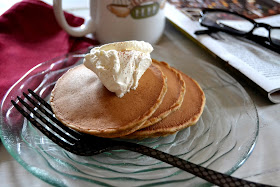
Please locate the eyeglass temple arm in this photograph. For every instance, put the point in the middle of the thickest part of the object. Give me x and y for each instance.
(255, 38)
(264, 41)
(207, 31)
(224, 28)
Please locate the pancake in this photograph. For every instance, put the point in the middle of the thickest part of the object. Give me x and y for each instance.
(173, 97)
(80, 101)
(188, 114)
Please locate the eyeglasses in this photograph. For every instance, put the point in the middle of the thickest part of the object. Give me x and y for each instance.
(233, 23)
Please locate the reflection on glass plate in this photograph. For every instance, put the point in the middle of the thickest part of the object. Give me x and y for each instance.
(222, 139)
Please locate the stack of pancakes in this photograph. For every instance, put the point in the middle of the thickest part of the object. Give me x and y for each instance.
(165, 102)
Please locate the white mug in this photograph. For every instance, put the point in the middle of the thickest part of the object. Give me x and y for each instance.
(119, 20)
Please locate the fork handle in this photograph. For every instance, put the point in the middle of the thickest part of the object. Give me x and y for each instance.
(209, 175)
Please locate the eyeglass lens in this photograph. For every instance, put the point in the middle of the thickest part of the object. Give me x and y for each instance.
(275, 36)
(227, 21)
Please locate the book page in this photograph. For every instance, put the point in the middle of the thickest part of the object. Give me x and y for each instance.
(258, 63)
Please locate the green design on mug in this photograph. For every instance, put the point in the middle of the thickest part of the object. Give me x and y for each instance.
(144, 11)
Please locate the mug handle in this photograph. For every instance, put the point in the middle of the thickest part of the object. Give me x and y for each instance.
(85, 28)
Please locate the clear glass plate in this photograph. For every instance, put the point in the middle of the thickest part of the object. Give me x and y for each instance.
(222, 139)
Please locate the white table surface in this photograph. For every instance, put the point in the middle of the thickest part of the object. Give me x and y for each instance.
(262, 166)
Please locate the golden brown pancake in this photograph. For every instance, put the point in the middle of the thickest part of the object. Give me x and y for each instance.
(187, 115)
(80, 101)
(173, 97)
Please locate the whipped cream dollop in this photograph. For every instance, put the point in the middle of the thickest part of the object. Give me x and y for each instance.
(120, 65)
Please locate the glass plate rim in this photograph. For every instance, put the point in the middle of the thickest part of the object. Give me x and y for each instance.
(43, 176)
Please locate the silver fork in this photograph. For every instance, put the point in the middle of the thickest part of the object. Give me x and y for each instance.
(87, 145)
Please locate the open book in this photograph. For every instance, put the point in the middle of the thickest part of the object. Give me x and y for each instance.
(256, 62)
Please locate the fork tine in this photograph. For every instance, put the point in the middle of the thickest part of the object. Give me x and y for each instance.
(40, 100)
(46, 132)
(42, 119)
(72, 132)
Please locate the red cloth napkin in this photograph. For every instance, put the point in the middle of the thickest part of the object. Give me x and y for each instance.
(29, 35)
